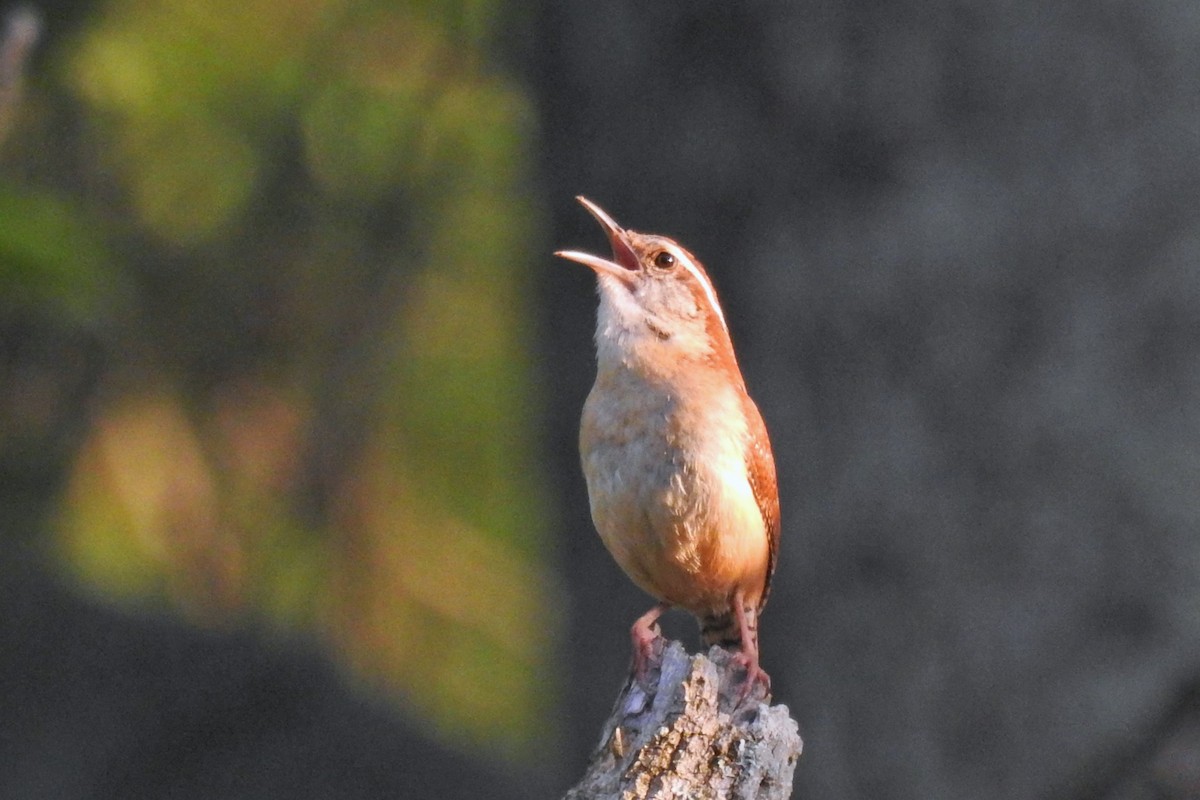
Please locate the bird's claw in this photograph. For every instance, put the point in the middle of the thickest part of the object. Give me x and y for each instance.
(755, 676)
(647, 642)
(644, 639)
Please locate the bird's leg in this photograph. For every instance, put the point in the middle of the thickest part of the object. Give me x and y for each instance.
(747, 622)
(643, 635)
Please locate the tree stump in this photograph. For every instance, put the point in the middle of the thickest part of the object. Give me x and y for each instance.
(687, 736)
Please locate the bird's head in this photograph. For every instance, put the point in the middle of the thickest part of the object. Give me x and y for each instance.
(652, 286)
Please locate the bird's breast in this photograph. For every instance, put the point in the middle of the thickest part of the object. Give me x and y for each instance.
(666, 473)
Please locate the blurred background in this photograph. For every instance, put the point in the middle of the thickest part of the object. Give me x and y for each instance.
(290, 503)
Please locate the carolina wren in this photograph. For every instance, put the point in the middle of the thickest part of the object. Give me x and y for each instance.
(679, 470)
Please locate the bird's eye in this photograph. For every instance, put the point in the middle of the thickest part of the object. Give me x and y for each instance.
(664, 260)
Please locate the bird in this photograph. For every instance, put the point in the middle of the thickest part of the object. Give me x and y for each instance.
(679, 468)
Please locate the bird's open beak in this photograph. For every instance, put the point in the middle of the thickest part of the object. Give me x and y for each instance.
(624, 261)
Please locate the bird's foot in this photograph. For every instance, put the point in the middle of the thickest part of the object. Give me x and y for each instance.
(755, 676)
(643, 652)
(646, 639)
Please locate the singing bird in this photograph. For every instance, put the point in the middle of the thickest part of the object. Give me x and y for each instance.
(679, 469)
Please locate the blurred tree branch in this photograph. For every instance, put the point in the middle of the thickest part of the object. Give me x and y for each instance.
(22, 27)
(688, 736)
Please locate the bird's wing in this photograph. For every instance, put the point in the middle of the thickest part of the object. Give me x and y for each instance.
(760, 467)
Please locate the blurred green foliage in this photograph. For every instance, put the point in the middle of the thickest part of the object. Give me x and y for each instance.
(52, 257)
(301, 232)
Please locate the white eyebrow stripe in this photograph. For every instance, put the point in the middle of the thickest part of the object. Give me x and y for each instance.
(709, 292)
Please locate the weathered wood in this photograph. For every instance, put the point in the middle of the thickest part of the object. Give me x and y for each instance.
(687, 736)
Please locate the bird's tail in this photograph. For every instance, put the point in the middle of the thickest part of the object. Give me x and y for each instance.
(722, 628)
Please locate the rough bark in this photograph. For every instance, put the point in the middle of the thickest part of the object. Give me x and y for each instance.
(688, 734)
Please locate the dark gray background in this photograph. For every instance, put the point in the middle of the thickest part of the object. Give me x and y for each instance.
(956, 243)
